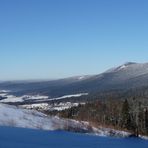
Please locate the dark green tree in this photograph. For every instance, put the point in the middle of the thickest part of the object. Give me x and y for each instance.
(146, 121)
(126, 116)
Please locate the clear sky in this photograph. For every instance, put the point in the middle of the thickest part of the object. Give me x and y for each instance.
(43, 39)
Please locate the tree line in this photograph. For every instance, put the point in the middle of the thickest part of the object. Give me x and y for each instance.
(129, 114)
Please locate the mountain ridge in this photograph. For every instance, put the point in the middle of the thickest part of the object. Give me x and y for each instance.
(127, 76)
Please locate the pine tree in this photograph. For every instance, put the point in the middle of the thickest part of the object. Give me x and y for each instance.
(126, 116)
(146, 121)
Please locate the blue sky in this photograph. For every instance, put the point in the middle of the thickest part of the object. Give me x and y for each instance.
(43, 39)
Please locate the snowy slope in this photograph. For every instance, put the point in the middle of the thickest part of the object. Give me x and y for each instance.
(12, 116)
(130, 70)
(28, 138)
(16, 117)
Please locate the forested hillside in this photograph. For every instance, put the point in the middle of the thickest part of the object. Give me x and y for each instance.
(129, 115)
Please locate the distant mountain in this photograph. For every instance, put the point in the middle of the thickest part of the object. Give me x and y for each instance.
(125, 77)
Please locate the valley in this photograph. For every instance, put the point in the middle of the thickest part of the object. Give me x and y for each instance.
(117, 98)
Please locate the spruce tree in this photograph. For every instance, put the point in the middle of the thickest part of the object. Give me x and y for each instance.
(125, 116)
(146, 121)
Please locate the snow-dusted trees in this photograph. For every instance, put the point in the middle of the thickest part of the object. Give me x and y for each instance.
(124, 115)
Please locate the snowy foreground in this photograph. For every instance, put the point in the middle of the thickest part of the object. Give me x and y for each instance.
(28, 138)
(16, 117)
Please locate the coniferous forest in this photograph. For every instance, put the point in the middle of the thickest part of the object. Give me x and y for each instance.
(129, 114)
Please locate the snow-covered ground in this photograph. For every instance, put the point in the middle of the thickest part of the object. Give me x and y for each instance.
(101, 131)
(4, 91)
(47, 106)
(70, 96)
(12, 98)
(36, 106)
(12, 116)
(28, 138)
(6, 97)
(16, 117)
(37, 101)
(63, 106)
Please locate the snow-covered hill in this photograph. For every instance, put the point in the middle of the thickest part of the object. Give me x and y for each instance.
(28, 138)
(16, 117)
(13, 116)
(130, 70)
